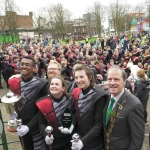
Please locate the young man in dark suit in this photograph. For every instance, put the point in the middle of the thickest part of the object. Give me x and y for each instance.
(123, 115)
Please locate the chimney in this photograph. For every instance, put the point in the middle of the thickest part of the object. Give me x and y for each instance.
(30, 14)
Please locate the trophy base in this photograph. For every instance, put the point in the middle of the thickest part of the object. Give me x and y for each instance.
(12, 126)
(11, 129)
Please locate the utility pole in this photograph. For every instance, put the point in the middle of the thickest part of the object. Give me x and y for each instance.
(125, 28)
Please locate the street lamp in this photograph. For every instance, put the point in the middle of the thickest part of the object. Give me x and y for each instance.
(125, 27)
(66, 31)
(26, 27)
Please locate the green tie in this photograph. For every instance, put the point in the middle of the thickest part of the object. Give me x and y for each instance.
(109, 109)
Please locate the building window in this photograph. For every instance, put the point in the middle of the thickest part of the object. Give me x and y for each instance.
(75, 30)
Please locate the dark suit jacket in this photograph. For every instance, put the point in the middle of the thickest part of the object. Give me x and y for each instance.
(128, 131)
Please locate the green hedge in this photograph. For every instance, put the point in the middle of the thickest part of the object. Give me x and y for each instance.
(8, 39)
(76, 41)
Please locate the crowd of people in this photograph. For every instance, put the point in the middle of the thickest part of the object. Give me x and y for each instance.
(88, 81)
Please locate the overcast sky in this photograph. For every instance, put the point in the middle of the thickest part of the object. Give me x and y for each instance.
(77, 7)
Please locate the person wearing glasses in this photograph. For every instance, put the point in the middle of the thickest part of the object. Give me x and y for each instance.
(30, 89)
(54, 69)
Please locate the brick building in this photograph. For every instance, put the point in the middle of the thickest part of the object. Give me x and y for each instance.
(18, 21)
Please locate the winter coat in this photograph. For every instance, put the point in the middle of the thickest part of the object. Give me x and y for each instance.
(141, 89)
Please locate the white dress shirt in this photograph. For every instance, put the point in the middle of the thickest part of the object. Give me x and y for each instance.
(116, 98)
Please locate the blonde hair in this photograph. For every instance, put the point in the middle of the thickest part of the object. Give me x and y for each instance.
(55, 62)
(37, 56)
(141, 74)
(63, 62)
(53, 58)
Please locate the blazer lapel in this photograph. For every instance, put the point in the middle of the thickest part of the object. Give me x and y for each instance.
(105, 110)
(122, 98)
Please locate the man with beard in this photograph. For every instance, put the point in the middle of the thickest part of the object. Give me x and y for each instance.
(54, 69)
(30, 89)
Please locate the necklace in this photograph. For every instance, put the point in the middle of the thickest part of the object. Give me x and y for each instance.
(22, 102)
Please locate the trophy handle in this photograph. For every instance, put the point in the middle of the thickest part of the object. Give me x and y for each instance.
(76, 137)
(49, 129)
(19, 122)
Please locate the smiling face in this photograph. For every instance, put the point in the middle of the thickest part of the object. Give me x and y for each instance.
(56, 88)
(115, 82)
(53, 70)
(26, 68)
(82, 79)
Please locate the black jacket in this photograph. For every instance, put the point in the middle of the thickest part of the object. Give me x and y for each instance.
(141, 89)
(89, 119)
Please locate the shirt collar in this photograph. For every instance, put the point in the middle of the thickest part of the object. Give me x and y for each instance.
(27, 80)
(118, 96)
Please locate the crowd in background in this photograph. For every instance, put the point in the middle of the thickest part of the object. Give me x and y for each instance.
(89, 60)
(99, 54)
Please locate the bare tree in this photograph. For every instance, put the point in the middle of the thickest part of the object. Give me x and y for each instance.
(127, 17)
(139, 8)
(51, 24)
(39, 20)
(147, 10)
(98, 15)
(116, 12)
(53, 18)
(88, 21)
(122, 14)
(10, 20)
(61, 17)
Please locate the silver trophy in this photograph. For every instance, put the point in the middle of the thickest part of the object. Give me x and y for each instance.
(10, 97)
(76, 137)
(49, 129)
(19, 122)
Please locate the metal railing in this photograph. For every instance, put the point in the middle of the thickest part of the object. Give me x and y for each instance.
(3, 136)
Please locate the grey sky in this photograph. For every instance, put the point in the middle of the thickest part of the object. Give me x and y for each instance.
(77, 7)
